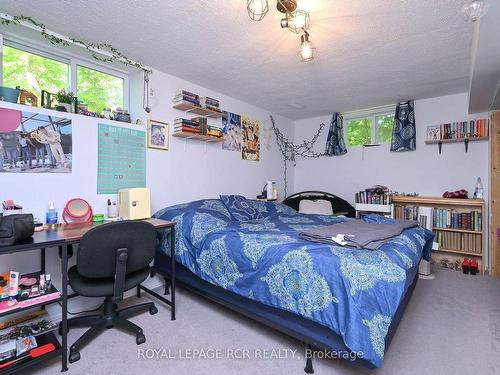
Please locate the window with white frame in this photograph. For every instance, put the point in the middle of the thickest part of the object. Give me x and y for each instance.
(369, 127)
(34, 70)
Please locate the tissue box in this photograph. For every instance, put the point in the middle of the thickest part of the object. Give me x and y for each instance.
(135, 203)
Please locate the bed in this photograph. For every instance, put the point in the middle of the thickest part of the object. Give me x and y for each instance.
(333, 298)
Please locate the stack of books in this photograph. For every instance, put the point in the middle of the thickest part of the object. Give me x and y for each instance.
(459, 130)
(202, 122)
(182, 125)
(210, 103)
(186, 96)
(448, 218)
(374, 195)
(214, 131)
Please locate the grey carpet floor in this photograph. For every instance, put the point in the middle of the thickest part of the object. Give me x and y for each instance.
(451, 326)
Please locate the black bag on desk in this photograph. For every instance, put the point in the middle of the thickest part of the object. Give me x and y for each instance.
(15, 228)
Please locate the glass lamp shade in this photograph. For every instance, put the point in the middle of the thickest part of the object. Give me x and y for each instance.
(300, 20)
(475, 9)
(306, 50)
(257, 9)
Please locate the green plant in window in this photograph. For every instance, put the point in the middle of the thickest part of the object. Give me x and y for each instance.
(65, 97)
(359, 132)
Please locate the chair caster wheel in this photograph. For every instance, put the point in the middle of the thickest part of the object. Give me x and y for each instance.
(60, 331)
(140, 339)
(153, 310)
(73, 356)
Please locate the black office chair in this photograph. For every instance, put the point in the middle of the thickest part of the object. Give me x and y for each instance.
(111, 259)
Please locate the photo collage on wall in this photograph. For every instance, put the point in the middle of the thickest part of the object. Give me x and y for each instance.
(34, 142)
(241, 134)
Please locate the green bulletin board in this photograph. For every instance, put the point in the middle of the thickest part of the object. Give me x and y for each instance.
(121, 158)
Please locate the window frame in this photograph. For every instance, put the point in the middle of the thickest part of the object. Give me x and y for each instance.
(372, 114)
(67, 58)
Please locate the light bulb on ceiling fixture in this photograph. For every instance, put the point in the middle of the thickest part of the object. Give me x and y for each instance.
(475, 9)
(296, 21)
(306, 50)
(257, 9)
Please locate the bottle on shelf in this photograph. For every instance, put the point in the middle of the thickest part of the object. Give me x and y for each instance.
(478, 192)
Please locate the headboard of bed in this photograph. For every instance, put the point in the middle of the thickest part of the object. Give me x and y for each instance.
(339, 205)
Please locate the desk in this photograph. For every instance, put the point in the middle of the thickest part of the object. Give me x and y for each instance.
(63, 238)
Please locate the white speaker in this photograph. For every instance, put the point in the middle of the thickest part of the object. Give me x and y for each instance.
(425, 220)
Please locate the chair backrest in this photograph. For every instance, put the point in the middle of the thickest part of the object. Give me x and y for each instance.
(97, 250)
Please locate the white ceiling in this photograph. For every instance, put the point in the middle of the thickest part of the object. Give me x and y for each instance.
(370, 52)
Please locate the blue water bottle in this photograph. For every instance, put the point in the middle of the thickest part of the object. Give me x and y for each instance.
(51, 217)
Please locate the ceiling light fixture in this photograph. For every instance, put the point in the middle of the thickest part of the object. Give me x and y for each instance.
(306, 50)
(476, 9)
(295, 20)
(299, 20)
(257, 9)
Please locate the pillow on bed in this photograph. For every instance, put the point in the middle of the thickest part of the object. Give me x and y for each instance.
(240, 208)
(317, 206)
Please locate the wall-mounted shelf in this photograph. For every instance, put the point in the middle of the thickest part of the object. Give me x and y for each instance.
(466, 141)
(193, 108)
(199, 137)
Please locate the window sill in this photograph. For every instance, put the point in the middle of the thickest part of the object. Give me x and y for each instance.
(72, 116)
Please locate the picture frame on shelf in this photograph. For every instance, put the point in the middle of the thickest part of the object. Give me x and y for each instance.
(158, 135)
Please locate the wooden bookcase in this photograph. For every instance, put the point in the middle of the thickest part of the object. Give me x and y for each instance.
(454, 243)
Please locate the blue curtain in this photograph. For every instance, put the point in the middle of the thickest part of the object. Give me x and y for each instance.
(404, 131)
(335, 144)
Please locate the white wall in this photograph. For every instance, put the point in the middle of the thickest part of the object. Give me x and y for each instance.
(195, 170)
(188, 171)
(424, 171)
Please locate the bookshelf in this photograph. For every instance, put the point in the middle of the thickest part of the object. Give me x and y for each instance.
(193, 108)
(199, 137)
(466, 141)
(381, 209)
(459, 225)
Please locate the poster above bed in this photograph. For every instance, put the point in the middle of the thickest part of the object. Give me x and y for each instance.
(250, 137)
(32, 142)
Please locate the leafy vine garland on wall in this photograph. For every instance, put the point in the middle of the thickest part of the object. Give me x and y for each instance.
(112, 54)
(290, 151)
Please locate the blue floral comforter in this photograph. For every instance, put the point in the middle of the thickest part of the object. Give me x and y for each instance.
(353, 292)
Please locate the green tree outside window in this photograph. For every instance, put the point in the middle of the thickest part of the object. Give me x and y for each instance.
(359, 132)
(98, 90)
(385, 125)
(32, 72)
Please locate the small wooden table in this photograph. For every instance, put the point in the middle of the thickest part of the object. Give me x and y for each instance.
(64, 237)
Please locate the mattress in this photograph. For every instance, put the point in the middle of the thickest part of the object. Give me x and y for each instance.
(354, 293)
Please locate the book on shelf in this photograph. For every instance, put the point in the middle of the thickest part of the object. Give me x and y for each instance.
(460, 242)
(210, 103)
(185, 129)
(375, 195)
(406, 212)
(186, 96)
(478, 128)
(449, 218)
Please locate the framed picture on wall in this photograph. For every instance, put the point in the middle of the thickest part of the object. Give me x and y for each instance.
(158, 135)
